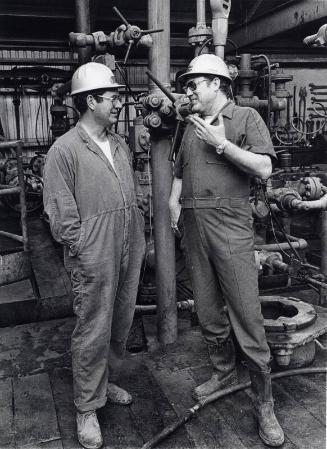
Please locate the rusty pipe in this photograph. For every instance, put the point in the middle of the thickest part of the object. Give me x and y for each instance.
(164, 240)
(83, 25)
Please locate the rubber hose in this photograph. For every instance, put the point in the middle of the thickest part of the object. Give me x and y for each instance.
(219, 394)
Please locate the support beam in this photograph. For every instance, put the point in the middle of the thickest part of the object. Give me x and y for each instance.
(295, 15)
(253, 10)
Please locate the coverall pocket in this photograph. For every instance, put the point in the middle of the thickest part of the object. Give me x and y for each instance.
(214, 158)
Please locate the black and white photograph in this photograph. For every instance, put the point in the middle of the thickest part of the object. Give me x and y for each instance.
(163, 224)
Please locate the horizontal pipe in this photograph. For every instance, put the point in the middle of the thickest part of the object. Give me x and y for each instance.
(10, 144)
(308, 205)
(19, 238)
(290, 237)
(10, 191)
(152, 308)
(315, 282)
(300, 244)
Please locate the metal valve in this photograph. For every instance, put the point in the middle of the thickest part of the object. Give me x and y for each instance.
(133, 33)
(310, 188)
(125, 34)
(152, 120)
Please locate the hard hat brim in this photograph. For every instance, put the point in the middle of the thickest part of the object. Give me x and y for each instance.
(186, 75)
(111, 87)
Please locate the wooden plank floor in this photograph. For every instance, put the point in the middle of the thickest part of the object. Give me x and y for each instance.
(37, 411)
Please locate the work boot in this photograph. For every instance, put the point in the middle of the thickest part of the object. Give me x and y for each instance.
(117, 395)
(88, 430)
(222, 356)
(270, 430)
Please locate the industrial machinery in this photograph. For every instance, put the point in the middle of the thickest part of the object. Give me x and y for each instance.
(289, 210)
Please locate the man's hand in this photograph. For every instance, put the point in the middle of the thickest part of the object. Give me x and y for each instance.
(212, 134)
(175, 206)
(175, 211)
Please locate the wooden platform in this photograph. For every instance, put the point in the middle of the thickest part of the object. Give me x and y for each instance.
(36, 398)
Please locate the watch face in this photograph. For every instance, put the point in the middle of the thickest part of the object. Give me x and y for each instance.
(219, 149)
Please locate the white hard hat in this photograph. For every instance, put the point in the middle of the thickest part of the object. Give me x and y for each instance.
(93, 76)
(206, 64)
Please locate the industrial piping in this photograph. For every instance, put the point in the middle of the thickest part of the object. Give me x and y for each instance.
(164, 240)
(83, 25)
(324, 242)
(220, 13)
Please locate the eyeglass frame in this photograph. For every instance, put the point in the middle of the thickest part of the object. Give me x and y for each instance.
(193, 89)
(113, 99)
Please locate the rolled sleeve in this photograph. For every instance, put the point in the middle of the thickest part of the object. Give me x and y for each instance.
(179, 162)
(257, 135)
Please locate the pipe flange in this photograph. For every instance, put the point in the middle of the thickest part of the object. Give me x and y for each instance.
(199, 34)
(281, 78)
(283, 314)
(247, 73)
(310, 188)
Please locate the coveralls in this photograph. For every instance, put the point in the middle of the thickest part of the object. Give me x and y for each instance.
(218, 235)
(93, 211)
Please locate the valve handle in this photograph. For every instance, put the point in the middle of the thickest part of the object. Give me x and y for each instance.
(159, 30)
(130, 43)
(161, 86)
(119, 14)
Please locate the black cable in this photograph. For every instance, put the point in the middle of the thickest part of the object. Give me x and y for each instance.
(125, 81)
(210, 39)
(36, 120)
(281, 227)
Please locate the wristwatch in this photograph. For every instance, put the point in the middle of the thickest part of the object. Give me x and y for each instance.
(221, 148)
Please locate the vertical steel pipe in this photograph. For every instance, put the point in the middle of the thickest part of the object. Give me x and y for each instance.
(220, 12)
(83, 25)
(324, 242)
(16, 102)
(164, 240)
(323, 267)
(23, 209)
(200, 13)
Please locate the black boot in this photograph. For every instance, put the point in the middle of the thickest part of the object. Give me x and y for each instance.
(270, 430)
(222, 356)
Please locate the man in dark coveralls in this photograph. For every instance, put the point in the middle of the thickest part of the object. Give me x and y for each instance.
(222, 147)
(89, 196)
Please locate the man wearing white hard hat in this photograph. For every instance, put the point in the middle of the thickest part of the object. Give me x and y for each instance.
(90, 199)
(223, 146)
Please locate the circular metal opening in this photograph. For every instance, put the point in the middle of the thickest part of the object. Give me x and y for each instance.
(272, 310)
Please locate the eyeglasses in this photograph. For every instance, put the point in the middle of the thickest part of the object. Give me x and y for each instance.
(192, 85)
(114, 99)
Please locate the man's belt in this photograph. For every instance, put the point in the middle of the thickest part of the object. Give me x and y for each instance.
(213, 203)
